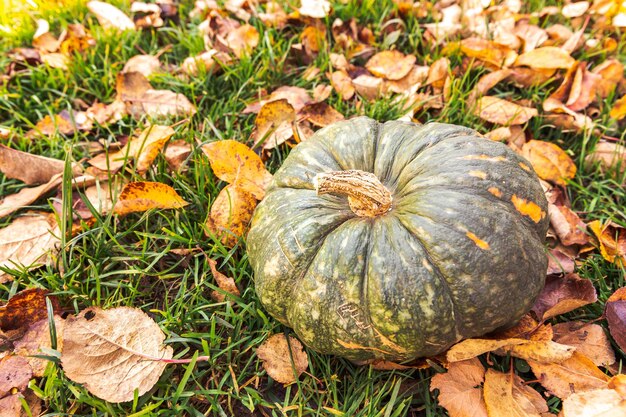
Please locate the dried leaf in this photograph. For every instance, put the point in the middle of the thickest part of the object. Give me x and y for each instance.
(225, 283)
(506, 395)
(392, 65)
(615, 312)
(35, 340)
(320, 114)
(110, 17)
(550, 162)
(611, 72)
(14, 375)
(11, 405)
(611, 240)
(490, 52)
(207, 61)
(28, 242)
(242, 40)
(26, 196)
(29, 168)
(544, 351)
(143, 64)
(176, 153)
(569, 228)
(499, 111)
(460, 390)
(471, 348)
(273, 124)
(235, 163)
(143, 196)
(618, 111)
(596, 403)
(298, 97)
(576, 9)
(576, 374)
(114, 352)
(368, 87)
(532, 35)
(342, 83)
(230, 214)
(588, 339)
(314, 8)
(549, 57)
(562, 295)
(25, 308)
(487, 82)
(277, 355)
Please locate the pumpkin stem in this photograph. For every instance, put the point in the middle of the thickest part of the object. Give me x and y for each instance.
(367, 196)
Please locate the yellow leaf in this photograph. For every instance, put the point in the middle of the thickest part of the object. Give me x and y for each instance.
(549, 161)
(234, 162)
(277, 355)
(503, 112)
(507, 396)
(546, 57)
(611, 240)
(392, 65)
(231, 213)
(273, 124)
(618, 112)
(143, 196)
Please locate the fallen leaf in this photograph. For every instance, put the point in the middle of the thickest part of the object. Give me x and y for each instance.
(274, 15)
(611, 240)
(618, 111)
(114, 352)
(110, 17)
(298, 97)
(506, 395)
(14, 375)
(550, 162)
(588, 339)
(273, 124)
(487, 82)
(35, 340)
(569, 228)
(320, 114)
(207, 61)
(28, 242)
(596, 403)
(576, 374)
(618, 383)
(471, 348)
(562, 295)
(460, 390)
(532, 35)
(314, 8)
(242, 40)
(561, 261)
(143, 64)
(235, 163)
(225, 283)
(392, 65)
(615, 312)
(176, 153)
(26, 196)
(62, 123)
(143, 196)
(499, 111)
(611, 72)
(368, 87)
(313, 40)
(550, 57)
(544, 351)
(277, 355)
(570, 120)
(230, 214)
(490, 52)
(25, 308)
(342, 83)
(12, 405)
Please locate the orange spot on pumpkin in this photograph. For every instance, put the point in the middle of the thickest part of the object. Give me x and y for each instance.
(478, 174)
(495, 191)
(528, 208)
(484, 157)
(478, 241)
(524, 166)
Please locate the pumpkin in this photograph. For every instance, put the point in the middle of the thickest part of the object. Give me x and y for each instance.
(397, 240)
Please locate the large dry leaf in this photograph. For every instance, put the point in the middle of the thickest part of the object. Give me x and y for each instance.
(562, 295)
(610, 156)
(36, 341)
(110, 16)
(506, 395)
(320, 114)
(503, 112)
(550, 162)
(230, 214)
(114, 352)
(14, 374)
(493, 53)
(29, 242)
(273, 124)
(29, 168)
(549, 57)
(225, 283)
(234, 162)
(460, 390)
(25, 308)
(544, 351)
(611, 240)
(487, 82)
(142, 196)
(277, 355)
(596, 403)
(576, 374)
(368, 87)
(392, 65)
(27, 196)
(615, 312)
(143, 64)
(588, 339)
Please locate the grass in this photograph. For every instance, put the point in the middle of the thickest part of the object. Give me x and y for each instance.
(127, 262)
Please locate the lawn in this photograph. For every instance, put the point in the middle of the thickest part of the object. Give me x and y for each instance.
(158, 260)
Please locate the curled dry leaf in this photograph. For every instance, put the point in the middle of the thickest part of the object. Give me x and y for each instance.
(544, 351)
(392, 65)
(230, 214)
(611, 240)
(176, 153)
(611, 72)
(234, 162)
(569, 228)
(503, 112)
(320, 114)
(34, 342)
(114, 352)
(144, 195)
(460, 390)
(550, 162)
(588, 339)
(506, 395)
(273, 125)
(277, 355)
(110, 17)
(615, 312)
(28, 241)
(562, 295)
(547, 57)
(225, 283)
(25, 308)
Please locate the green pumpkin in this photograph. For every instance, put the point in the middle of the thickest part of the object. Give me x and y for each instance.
(398, 240)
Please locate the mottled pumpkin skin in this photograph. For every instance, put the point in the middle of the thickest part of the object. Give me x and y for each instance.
(459, 254)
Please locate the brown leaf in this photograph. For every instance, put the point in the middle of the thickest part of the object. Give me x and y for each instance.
(273, 124)
(506, 395)
(545, 57)
(569, 228)
(29, 168)
(499, 111)
(274, 15)
(471, 348)
(313, 39)
(460, 390)
(562, 295)
(14, 375)
(25, 308)
(342, 83)
(611, 240)
(114, 352)
(487, 82)
(62, 123)
(11, 405)
(615, 312)
(410, 83)
(225, 283)
(588, 339)
(611, 72)
(28, 242)
(143, 196)
(37, 338)
(368, 87)
(550, 162)
(532, 35)
(143, 64)
(568, 121)
(596, 403)
(234, 162)
(298, 97)
(242, 40)
(392, 65)
(26, 196)
(230, 214)
(544, 351)
(576, 374)
(176, 153)
(561, 261)
(493, 53)
(207, 61)
(320, 114)
(110, 17)
(277, 355)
